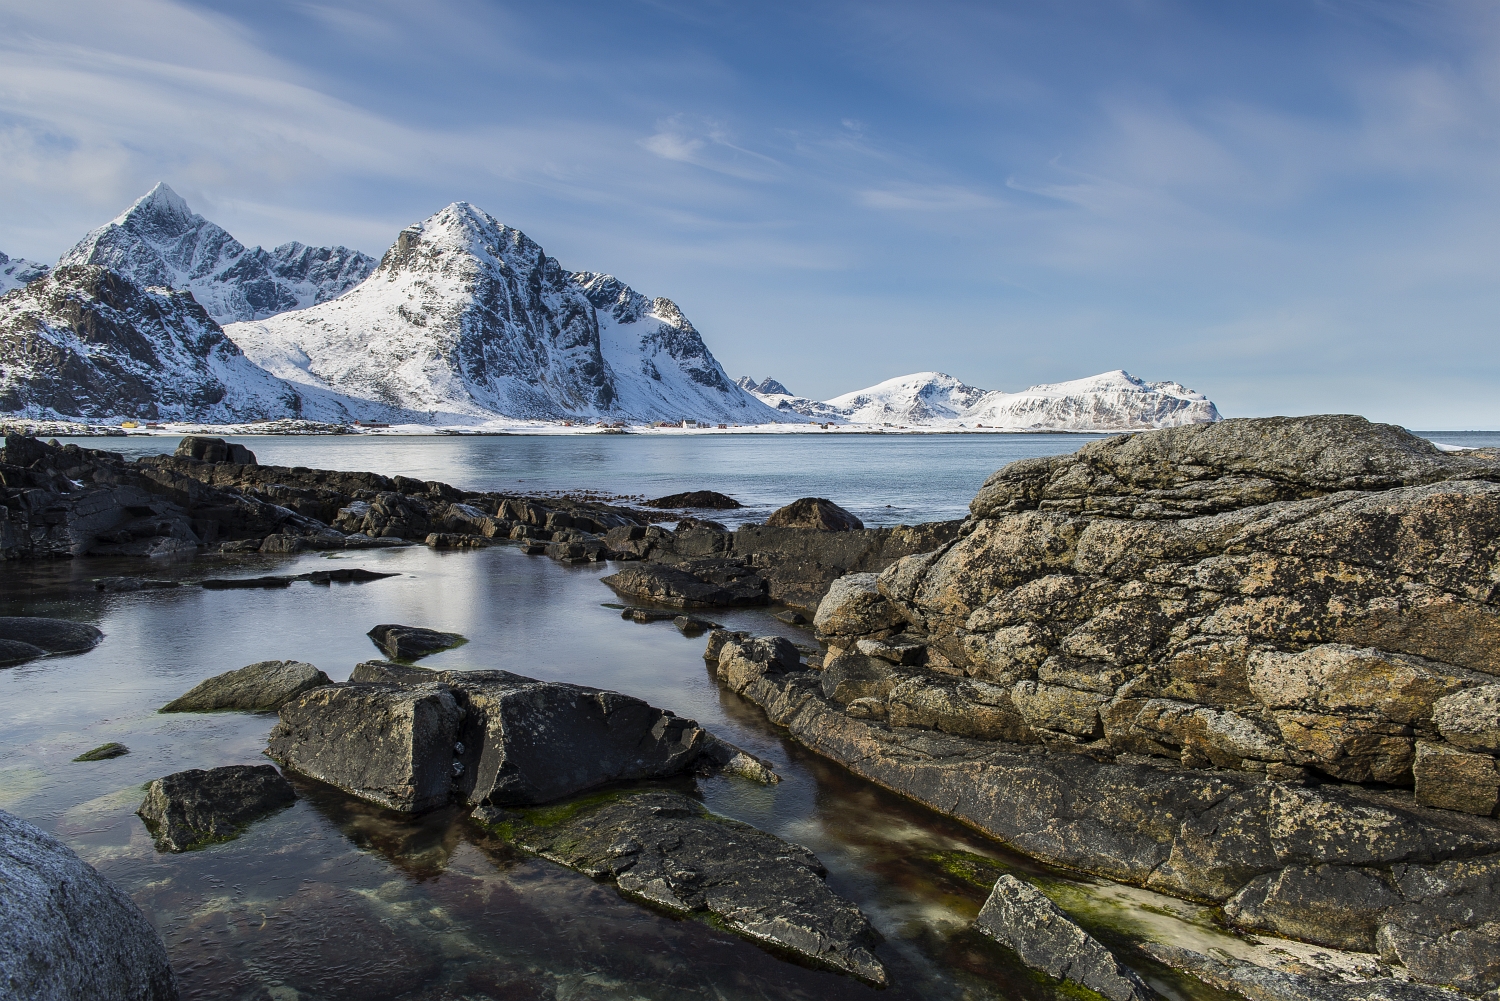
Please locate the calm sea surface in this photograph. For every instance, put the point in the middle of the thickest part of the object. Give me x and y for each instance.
(337, 899)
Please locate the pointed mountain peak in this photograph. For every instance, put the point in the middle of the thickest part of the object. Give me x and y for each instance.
(164, 207)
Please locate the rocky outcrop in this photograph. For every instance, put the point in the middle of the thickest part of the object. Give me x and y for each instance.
(1261, 983)
(412, 642)
(189, 809)
(665, 850)
(66, 932)
(1250, 662)
(411, 739)
(261, 687)
(205, 449)
(710, 500)
(817, 513)
(1022, 918)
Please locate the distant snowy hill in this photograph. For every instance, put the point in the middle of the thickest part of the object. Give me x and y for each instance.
(1112, 401)
(84, 341)
(467, 318)
(159, 241)
(15, 272)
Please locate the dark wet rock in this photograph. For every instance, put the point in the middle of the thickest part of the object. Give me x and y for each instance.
(1260, 983)
(283, 543)
(703, 583)
(717, 638)
(741, 662)
(1337, 906)
(700, 524)
(126, 584)
(412, 642)
(692, 625)
(664, 849)
(1022, 918)
(192, 808)
(706, 499)
(104, 752)
(384, 672)
(51, 635)
(67, 933)
(261, 687)
(816, 513)
(245, 583)
(644, 615)
(205, 449)
(15, 652)
(389, 744)
(792, 617)
(452, 540)
(1447, 927)
(344, 575)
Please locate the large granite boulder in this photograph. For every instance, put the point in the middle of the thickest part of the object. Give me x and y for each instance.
(666, 850)
(1022, 918)
(264, 686)
(67, 933)
(206, 449)
(189, 809)
(817, 513)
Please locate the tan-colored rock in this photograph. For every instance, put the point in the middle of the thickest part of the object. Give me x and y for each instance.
(1470, 719)
(854, 605)
(1451, 779)
(1207, 736)
(1354, 750)
(997, 555)
(1058, 709)
(965, 708)
(1355, 681)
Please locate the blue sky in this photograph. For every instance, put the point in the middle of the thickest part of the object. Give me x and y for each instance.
(1290, 206)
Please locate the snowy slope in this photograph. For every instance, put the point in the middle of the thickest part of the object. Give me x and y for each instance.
(467, 319)
(1111, 401)
(15, 272)
(84, 341)
(159, 241)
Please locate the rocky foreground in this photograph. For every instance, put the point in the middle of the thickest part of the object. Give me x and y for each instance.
(1253, 663)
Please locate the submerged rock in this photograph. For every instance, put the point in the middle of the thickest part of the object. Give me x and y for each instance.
(126, 584)
(244, 583)
(1022, 918)
(104, 752)
(192, 808)
(664, 849)
(48, 635)
(67, 933)
(261, 687)
(343, 575)
(412, 642)
(816, 513)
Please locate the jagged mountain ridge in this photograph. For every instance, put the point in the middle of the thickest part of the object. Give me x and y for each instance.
(160, 241)
(1110, 401)
(15, 272)
(767, 386)
(85, 341)
(468, 318)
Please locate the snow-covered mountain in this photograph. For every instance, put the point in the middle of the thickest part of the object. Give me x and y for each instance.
(15, 272)
(767, 386)
(159, 241)
(467, 319)
(1111, 401)
(84, 341)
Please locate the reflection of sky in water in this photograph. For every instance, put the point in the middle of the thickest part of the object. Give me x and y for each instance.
(884, 479)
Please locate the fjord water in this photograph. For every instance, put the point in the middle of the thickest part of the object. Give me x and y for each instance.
(336, 899)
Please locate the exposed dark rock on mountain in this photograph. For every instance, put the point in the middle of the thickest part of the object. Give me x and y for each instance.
(262, 687)
(15, 272)
(84, 341)
(66, 932)
(814, 512)
(1200, 660)
(665, 850)
(767, 387)
(189, 809)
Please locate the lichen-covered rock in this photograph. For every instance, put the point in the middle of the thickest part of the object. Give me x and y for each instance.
(68, 933)
(412, 642)
(1337, 906)
(261, 687)
(855, 606)
(1022, 918)
(192, 808)
(1470, 718)
(816, 513)
(1447, 928)
(1261, 983)
(1454, 779)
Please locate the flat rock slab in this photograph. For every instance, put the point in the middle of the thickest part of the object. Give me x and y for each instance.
(343, 575)
(692, 625)
(262, 687)
(49, 635)
(1022, 918)
(412, 642)
(1260, 983)
(126, 584)
(707, 583)
(666, 850)
(68, 933)
(193, 808)
(648, 614)
(244, 583)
